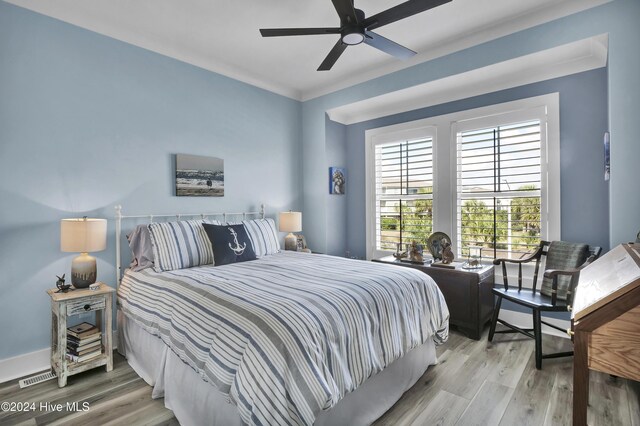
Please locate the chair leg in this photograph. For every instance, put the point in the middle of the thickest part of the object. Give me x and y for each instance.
(494, 320)
(537, 332)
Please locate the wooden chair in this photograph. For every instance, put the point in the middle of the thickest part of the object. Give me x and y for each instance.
(563, 264)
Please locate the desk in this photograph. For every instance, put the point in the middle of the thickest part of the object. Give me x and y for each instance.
(605, 322)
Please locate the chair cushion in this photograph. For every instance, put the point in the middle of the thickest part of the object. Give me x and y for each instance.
(530, 299)
(563, 255)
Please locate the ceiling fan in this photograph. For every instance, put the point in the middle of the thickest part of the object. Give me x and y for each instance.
(355, 28)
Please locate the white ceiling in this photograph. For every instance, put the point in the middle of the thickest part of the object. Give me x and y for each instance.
(222, 36)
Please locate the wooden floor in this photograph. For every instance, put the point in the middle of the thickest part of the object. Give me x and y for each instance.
(482, 383)
(475, 383)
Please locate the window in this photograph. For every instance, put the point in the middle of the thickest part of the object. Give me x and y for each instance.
(403, 192)
(487, 177)
(499, 189)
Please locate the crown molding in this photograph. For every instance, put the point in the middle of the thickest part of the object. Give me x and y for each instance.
(544, 13)
(567, 59)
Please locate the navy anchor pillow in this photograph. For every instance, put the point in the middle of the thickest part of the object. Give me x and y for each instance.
(231, 243)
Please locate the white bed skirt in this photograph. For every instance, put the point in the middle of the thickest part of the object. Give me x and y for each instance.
(196, 402)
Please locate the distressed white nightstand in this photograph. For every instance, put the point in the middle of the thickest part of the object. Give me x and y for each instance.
(75, 302)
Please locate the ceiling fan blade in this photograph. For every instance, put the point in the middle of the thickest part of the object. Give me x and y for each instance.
(401, 11)
(346, 11)
(387, 46)
(333, 56)
(278, 32)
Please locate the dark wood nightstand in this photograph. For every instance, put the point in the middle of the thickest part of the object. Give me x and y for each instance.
(467, 292)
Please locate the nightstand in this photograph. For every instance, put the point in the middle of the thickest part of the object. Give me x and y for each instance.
(75, 302)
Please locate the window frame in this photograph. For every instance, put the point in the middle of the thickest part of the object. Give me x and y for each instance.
(497, 120)
(397, 134)
(444, 130)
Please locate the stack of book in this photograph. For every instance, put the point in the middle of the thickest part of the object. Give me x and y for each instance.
(84, 342)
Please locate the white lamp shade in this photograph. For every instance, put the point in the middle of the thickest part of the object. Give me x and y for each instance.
(290, 222)
(83, 235)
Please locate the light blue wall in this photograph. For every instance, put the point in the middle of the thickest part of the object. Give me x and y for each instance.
(619, 19)
(78, 111)
(87, 122)
(583, 121)
(336, 204)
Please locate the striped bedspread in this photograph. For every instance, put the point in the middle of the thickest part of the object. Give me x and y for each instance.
(287, 335)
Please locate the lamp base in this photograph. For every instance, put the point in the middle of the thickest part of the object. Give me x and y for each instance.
(291, 242)
(83, 271)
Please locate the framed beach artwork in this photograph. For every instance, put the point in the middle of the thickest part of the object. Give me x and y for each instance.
(337, 180)
(198, 176)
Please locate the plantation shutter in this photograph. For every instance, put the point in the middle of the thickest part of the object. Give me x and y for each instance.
(403, 192)
(499, 189)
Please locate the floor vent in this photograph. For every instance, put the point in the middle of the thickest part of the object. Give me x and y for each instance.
(34, 380)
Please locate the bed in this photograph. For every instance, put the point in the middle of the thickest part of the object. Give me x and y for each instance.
(289, 338)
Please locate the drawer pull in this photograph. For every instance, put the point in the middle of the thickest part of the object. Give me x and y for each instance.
(82, 306)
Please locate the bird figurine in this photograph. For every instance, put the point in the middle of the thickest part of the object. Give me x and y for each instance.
(62, 287)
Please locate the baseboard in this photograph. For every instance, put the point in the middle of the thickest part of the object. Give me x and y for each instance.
(523, 320)
(31, 363)
(22, 365)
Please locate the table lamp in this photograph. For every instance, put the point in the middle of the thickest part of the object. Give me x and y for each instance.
(83, 235)
(290, 222)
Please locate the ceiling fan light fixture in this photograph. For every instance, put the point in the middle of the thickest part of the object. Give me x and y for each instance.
(355, 28)
(353, 38)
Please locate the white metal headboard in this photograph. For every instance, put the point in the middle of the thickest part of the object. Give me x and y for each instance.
(178, 216)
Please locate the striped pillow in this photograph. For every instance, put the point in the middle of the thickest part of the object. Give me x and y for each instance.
(263, 236)
(179, 245)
